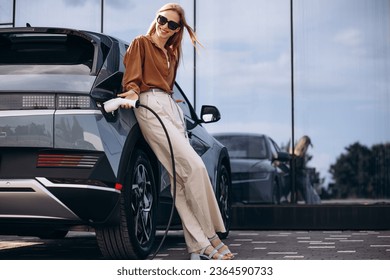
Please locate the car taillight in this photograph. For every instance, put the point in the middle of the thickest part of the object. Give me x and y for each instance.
(38, 102)
(67, 160)
(18, 101)
(74, 102)
(22, 101)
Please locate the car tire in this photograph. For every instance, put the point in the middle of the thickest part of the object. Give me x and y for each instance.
(133, 238)
(223, 196)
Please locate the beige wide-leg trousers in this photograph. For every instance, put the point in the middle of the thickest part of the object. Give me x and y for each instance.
(195, 198)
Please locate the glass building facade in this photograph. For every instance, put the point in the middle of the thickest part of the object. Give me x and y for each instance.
(287, 69)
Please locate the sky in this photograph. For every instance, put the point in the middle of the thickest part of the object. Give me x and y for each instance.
(341, 63)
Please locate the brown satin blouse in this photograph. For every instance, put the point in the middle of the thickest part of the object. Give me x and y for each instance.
(147, 66)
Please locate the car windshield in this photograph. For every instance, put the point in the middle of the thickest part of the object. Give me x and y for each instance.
(45, 54)
(252, 147)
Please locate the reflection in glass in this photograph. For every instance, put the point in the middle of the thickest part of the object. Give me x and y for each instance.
(342, 52)
(342, 94)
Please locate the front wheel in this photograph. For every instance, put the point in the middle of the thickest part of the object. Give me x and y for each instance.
(133, 238)
(223, 195)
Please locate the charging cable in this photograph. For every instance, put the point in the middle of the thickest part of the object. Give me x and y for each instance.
(112, 105)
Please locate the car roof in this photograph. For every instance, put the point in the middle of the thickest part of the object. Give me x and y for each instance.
(44, 30)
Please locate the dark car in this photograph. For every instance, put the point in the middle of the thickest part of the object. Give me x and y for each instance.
(66, 163)
(259, 167)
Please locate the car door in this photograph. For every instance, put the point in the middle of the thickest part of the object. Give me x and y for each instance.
(198, 137)
(202, 142)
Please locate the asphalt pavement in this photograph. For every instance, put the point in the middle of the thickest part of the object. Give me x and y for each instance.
(245, 244)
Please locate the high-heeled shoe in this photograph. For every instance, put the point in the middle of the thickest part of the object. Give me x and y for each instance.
(226, 252)
(202, 255)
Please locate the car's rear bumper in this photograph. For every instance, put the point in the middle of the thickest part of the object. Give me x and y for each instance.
(42, 200)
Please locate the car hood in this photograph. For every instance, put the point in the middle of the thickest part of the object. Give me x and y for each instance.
(46, 83)
(248, 165)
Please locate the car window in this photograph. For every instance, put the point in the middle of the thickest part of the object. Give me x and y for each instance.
(45, 54)
(274, 148)
(251, 147)
(182, 101)
(122, 52)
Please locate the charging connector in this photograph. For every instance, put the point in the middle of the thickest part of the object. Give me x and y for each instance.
(113, 104)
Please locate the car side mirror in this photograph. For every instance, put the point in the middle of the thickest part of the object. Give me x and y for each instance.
(209, 114)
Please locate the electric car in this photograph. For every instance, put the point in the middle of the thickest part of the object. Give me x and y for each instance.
(260, 169)
(66, 163)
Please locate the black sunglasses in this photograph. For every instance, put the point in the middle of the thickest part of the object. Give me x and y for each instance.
(171, 24)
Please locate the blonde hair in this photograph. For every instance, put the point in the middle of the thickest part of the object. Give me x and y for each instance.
(302, 146)
(174, 42)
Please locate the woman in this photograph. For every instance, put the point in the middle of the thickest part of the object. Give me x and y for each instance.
(151, 63)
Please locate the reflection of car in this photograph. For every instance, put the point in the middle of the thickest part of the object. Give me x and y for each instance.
(258, 167)
(64, 162)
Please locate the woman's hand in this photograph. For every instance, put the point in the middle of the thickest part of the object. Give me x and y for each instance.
(131, 94)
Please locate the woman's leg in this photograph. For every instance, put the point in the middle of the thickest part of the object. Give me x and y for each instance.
(195, 199)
